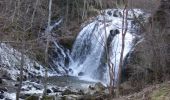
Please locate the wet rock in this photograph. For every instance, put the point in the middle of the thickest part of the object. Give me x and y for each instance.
(109, 13)
(7, 76)
(81, 92)
(16, 85)
(49, 91)
(70, 70)
(7, 99)
(38, 76)
(80, 74)
(1, 81)
(91, 87)
(2, 96)
(24, 78)
(37, 67)
(1, 92)
(26, 70)
(99, 86)
(66, 92)
(18, 79)
(55, 90)
(3, 89)
(37, 86)
(30, 75)
(97, 89)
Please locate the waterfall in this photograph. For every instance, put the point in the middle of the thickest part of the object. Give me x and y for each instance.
(59, 57)
(88, 50)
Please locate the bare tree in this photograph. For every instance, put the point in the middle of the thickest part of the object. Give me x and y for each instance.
(123, 33)
(48, 35)
(108, 61)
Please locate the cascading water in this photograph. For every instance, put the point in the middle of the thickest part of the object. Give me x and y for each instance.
(88, 50)
(59, 57)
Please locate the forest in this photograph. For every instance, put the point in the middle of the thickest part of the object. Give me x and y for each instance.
(84, 49)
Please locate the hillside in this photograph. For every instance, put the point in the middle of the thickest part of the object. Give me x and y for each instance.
(84, 49)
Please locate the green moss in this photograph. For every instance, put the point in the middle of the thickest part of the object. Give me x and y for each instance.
(32, 98)
(163, 93)
(48, 98)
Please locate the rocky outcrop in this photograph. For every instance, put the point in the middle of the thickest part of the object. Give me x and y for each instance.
(149, 61)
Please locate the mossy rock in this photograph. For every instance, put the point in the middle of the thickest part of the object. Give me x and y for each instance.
(33, 97)
(163, 93)
(48, 98)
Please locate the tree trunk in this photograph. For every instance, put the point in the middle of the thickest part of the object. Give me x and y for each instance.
(21, 70)
(124, 30)
(48, 34)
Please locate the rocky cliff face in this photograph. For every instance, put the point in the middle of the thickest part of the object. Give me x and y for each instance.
(10, 71)
(150, 59)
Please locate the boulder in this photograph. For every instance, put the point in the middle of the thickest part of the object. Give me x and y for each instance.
(55, 89)
(1, 81)
(72, 92)
(1, 92)
(81, 92)
(24, 78)
(99, 86)
(67, 92)
(7, 76)
(16, 85)
(2, 96)
(49, 91)
(97, 89)
(37, 67)
(3, 89)
(80, 74)
(7, 99)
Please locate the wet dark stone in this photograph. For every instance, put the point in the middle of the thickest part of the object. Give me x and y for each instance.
(18, 79)
(81, 92)
(24, 78)
(30, 75)
(26, 70)
(80, 74)
(109, 13)
(55, 90)
(2, 96)
(91, 87)
(1, 92)
(3, 89)
(70, 70)
(5, 76)
(7, 99)
(37, 67)
(49, 91)
(16, 85)
(1, 81)
(66, 92)
(38, 88)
